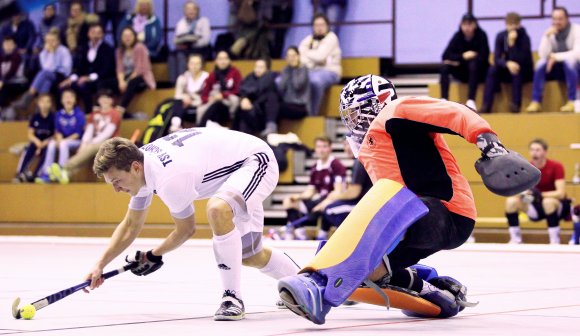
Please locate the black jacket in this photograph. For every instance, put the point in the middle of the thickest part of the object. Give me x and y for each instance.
(458, 45)
(254, 88)
(103, 65)
(520, 52)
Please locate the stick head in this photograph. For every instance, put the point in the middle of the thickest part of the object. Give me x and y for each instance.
(15, 309)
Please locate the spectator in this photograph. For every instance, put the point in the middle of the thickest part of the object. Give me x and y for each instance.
(466, 58)
(40, 130)
(22, 31)
(49, 20)
(320, 52)
(294, 87)
(103, 123)
(134, 72)
(188, 93)
(260, 103)
(327, 175)
(252, 33)
(220, 92)
(147, 27)
(559, 53)
(65, 5)
(333, 9)
(542, 202)
(69, 125)
(55, 63)
(12, 81)
(112, 11)
(192, 34)
(340, 202)
(282, 13)
(93, 69)
(513, 63)
(77, 27)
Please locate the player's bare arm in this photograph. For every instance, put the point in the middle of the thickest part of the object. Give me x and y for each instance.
(184, 229)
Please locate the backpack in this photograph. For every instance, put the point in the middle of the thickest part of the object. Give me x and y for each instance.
(158, 125)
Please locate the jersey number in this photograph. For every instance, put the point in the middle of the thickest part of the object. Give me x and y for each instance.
(180, 139)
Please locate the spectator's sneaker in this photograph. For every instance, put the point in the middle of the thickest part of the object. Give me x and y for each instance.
(471, 104)
(231, 309)
(42, 179)
(568, 107)
(60, 174)
(300, 234)
(534, 107)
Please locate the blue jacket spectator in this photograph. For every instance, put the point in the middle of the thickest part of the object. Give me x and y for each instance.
(146, 25)
(23, 32)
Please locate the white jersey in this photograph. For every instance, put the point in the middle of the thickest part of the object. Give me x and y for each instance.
(194, 163)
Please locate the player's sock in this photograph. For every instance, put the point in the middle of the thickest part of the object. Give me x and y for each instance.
(554, 233)
(280, 265)
(228, 255)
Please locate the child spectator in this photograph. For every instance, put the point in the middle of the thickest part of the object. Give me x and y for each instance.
(40, 131)
(259, 104)
(146, 25)
(69, 124)
(103, 123)
(220, 92)
(188, 93)
(134, 73)
(320, 52)
(294, 87)
(12, 81)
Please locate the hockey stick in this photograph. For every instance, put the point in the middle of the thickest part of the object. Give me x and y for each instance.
(39, 304)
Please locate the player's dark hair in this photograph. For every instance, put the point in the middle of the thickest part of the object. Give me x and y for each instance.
(540, 142)
(118, 153)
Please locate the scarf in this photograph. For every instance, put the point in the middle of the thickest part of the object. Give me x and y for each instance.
(561, 39)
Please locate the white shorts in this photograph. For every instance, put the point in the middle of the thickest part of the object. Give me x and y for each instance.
(245, 191)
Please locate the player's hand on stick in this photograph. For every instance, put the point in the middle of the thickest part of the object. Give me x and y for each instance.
(96, 279)
(148, 262)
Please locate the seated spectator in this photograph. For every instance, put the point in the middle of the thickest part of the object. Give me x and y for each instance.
(147, 27)
(333, 9)
(220, 92)
(327, 175)
(513, 63)
(69, 125)
(466, 58)
(320, 52)
(559, 53)
(340, 202)
(55, 64)
(77, 27)
(94, 68)
(112, 11)
(294, 87)
(12, 81)
(40, 131)
(103, 123)
(49, 20)
(282, 13)
(22, 31)
(192, 35)
(134, 73)
(542, 202)
(259, 102)
(188, 94)
(24, 34)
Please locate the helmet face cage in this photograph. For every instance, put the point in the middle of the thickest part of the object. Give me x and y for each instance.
(360, 103)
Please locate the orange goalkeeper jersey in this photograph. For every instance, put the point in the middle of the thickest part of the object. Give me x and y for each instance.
(405, 144)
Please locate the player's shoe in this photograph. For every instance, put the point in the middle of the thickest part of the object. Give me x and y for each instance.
(303, 295)
(231, 309)
(59, 174)
(445, 292)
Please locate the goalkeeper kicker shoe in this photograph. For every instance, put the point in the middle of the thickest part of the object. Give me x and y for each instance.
(303, 295)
